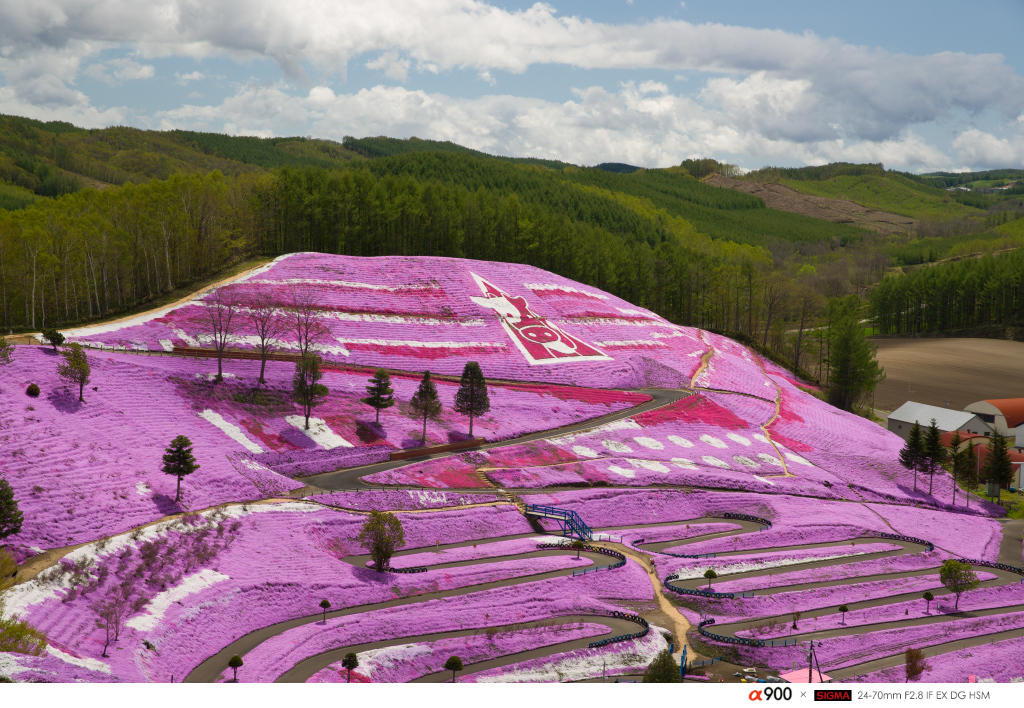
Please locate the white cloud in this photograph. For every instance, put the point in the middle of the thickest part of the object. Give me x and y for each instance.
(981, 149)
(184, 79)
(116, 71)
(393, 66)
(654, 128)
(772, 95)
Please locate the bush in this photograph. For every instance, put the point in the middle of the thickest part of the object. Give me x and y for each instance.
(32, 390)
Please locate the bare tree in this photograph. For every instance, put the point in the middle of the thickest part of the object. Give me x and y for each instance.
(775, 291)
(219, 310)
(809, 305)
(112, 611)
(263, 314)
(306, 321)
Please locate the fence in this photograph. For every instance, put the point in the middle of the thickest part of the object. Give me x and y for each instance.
(413, 569)
(910, 539)
(423, 451)
(743, 641)
(591, 549)
(990, 564)
(623, 637)
(747, 517)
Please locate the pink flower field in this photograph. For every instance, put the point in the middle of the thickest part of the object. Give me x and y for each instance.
(797, 506)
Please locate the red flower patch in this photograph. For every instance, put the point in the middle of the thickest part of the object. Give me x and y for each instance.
(693, 409)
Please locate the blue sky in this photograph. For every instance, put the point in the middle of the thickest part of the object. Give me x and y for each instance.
(917, 85)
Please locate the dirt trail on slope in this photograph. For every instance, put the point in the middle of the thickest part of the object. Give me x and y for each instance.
(839, 211)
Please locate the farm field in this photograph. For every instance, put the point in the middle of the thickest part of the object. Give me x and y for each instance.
(961, 371)
(699, 456)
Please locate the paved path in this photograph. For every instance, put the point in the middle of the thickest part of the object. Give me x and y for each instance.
(350, 478)
(1010, 552)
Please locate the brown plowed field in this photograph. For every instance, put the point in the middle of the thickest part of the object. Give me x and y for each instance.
(961, 371)
(840, 211)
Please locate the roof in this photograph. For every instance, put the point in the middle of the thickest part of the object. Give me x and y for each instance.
(945, 419)
(1011, 408)
(800, 676)
(947, 437)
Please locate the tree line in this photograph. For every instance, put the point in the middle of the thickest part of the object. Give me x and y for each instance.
(951, 296)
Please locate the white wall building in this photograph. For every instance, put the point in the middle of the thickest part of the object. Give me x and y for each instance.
(903, 418)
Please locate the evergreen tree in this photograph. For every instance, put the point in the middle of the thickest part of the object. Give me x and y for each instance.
(853, 371)
(75, 368)
(912, 454)
(325, 605)
(710, 574)
(306, 386)
(998, 468)
(956, 458)
(351, 661)
(11, 517)
(663, 669)
(844, 609)
(934, 452)
(380, 395)
(471, 398)
(235, 663)
(426, 402)
(453, 664)
(970, 472)
(179, 460)
(382, 534)
(54, 337)
(6, 352)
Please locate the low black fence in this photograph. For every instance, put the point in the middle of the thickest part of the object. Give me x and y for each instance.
(743, 641)
(590, 549)
(747, 517)
(413, 569)
(699, 593)
(691, 555)
(701, 664)
(623, 637)
(909, 539)
(990, 564)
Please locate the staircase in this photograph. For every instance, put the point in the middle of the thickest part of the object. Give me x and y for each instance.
(568, 520)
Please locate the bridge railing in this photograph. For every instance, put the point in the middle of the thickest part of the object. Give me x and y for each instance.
(573, 523)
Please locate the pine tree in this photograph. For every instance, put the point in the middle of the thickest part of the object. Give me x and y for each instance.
(853, 371)
(306, 384)
(351, 661)
(426, 402)
(471, 398)
(998, 468)
(453, 664)
(75, 368)
(934, 452)
(970, 472)
(912, 454)
(54, 337)
(956, 458)
(179, 461)
(11, 517)
(380, 395)
(235, 663)
(663, 669)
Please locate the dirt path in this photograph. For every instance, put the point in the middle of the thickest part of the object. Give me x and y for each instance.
(350, 478)
(840, 211)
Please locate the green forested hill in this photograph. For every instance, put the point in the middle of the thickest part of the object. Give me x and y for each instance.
(98, 222)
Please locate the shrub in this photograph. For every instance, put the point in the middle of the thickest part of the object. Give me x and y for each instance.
(32, 390)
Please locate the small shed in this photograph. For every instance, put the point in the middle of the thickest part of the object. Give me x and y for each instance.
(903, 418)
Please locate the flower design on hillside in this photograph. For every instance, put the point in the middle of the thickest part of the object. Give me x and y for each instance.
(540, 341)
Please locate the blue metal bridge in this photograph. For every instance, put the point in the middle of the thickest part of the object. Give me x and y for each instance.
(568, 520)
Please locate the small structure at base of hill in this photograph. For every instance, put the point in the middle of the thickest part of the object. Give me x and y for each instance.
(903, 418)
